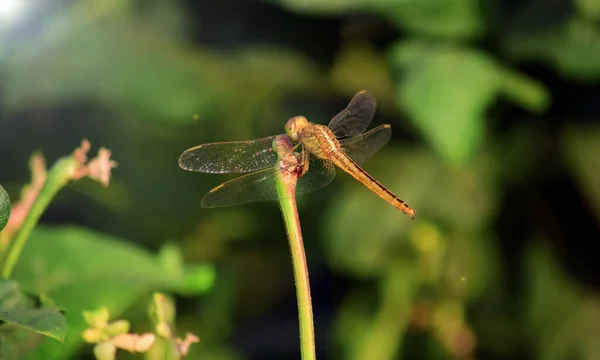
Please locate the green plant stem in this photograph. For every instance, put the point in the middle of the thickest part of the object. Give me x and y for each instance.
(57, 178)
(287, 198)
(383, 338)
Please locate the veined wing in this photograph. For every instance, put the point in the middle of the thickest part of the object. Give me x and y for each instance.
(230, 157)
(261, 186)
(361, 147)
(354, 119)
(320, 173)
(257, 186)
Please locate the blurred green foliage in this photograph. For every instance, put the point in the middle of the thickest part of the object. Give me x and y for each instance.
(569, 44)
(443, 18)
(81, 269)
(447, 90)
(570, 319)
(581, 146)
(490, 147)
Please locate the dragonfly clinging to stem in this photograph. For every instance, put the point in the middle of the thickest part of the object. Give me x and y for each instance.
(344, 143)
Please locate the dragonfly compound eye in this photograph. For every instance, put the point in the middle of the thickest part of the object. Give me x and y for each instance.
(291, 129)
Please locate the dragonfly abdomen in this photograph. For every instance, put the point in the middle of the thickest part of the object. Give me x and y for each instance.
(344, 162)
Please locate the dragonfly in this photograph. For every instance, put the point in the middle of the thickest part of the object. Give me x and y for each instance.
(344, 143)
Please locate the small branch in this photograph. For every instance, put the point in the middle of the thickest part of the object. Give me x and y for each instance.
(37, 196)
(57, 178)
(290, 169)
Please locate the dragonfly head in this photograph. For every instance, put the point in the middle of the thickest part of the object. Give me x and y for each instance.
(294, 127)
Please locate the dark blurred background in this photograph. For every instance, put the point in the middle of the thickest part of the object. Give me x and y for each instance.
(494, 106)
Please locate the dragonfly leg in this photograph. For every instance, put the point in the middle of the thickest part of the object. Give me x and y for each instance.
(305, 161)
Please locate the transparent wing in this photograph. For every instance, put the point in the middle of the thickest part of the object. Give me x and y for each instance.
(230, 157)
(361, 147)
(260, 186)
(354, 119)
(320, 173)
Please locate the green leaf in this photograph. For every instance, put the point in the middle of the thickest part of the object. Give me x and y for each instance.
(81, 269)
(527, 92)
(322, 7)
(4, 208)
(17, 309)
(447, 89)
(442, 18)
(578, 49)
(195, 279)
(572, 46)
